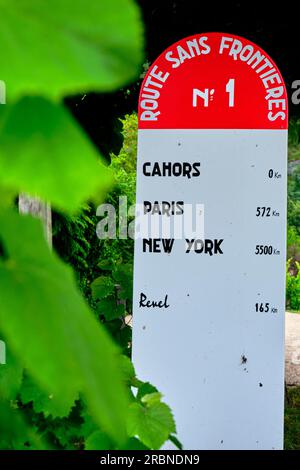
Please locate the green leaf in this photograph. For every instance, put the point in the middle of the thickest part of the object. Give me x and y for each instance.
(56, 48)
(114, 326)
(151, 398)
(98, 441)
(176, 442)
(110, 309)
(43, 402)
(102, 287)
(48, 325)
(152, 423)
(125, 337)
(44, 152)
(123, 275)
(11, 375)
(7, 198)
(15, 434)
(145, 389)
(88, 426)
(67, 433)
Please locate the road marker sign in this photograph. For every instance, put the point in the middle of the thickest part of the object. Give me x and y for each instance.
(209, 303)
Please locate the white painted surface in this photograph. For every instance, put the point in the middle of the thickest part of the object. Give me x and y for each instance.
(192, 351)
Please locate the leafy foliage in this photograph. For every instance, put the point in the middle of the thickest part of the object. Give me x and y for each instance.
(294, 201)
(11, 375)
(293, 247)
(113, 294)
(75, 240)
(292, 419)
(51, 155)
(293, 218)
(294, 140)
(78, 429)
(106, 280)
(15, 434)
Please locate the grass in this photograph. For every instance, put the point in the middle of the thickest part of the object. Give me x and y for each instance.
(292, 419)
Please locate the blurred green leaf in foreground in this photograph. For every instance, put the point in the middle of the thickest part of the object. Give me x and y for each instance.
(50, 50)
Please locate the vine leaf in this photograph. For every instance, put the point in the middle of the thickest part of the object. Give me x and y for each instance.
(50, 329)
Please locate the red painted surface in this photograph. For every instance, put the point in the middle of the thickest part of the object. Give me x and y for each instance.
(167, 90)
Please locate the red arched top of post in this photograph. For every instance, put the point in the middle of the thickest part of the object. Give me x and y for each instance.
(213, 81)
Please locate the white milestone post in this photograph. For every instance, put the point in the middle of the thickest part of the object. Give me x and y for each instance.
(209, 274)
